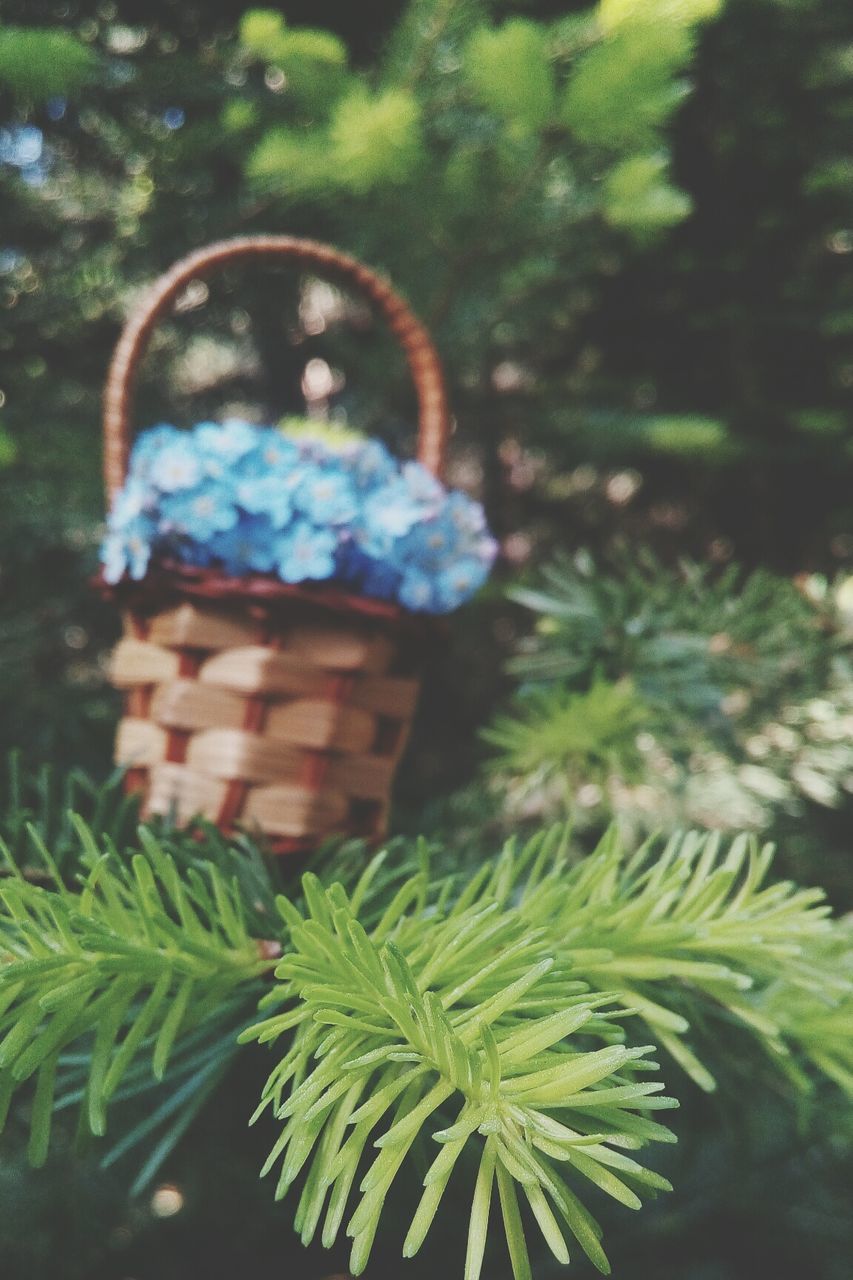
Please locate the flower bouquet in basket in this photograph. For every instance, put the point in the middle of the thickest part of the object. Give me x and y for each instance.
(274, 590)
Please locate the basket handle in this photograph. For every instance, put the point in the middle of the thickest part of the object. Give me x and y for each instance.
(421, 355)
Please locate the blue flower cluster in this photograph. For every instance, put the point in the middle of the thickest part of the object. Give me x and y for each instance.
(247, 499)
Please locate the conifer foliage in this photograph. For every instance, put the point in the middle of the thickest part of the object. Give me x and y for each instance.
(681, 695)
(497, 1030)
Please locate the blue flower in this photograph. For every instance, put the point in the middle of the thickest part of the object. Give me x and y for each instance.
(175, 467)
(381, 580)
(114, 557)
(388, 513)
(225, 443)
(127, 552)
(326, 497)
(266, 496)
(486, 549)
(418, 592)
(375, 578)
(148, 445)
(443, 592)
(249, 547)
(458, 583)
(270, 454)
(422, 484)
(429, 545)
(306, 553)
(132, 502)
(197, 554)
(371, 465)
(200, 512)
(466, 514)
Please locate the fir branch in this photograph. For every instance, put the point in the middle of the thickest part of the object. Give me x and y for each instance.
(496, 1017)
(686, 637)
(457, 1021)
(486, 1015)
(742, 688)
(71, 813)
(576, 737)
(818, 1017)
(123, 968)
(689, 932)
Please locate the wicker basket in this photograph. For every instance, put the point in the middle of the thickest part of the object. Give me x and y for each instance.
(248, 702)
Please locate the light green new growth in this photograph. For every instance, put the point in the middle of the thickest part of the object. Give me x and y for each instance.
(626, 88)
(578, 736)
(692, 934)
(533, 103)
(818, 1016)
(453, 1023)
(510, 73)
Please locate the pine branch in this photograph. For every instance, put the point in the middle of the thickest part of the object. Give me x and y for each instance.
(571, 737)
(125, 968)
(685, 637)
(689, 932)
(456, 1020)
(819, 1017)
(486, 1016)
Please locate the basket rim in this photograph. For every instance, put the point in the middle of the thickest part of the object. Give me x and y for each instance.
(171, 578)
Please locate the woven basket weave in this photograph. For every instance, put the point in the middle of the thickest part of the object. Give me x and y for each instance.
(249, 702)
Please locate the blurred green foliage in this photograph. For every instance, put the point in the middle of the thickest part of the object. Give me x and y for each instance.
(578, 738)
(668, 697)
(35, 64)
(744, 314)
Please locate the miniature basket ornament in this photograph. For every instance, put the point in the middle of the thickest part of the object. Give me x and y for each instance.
(257, 704)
